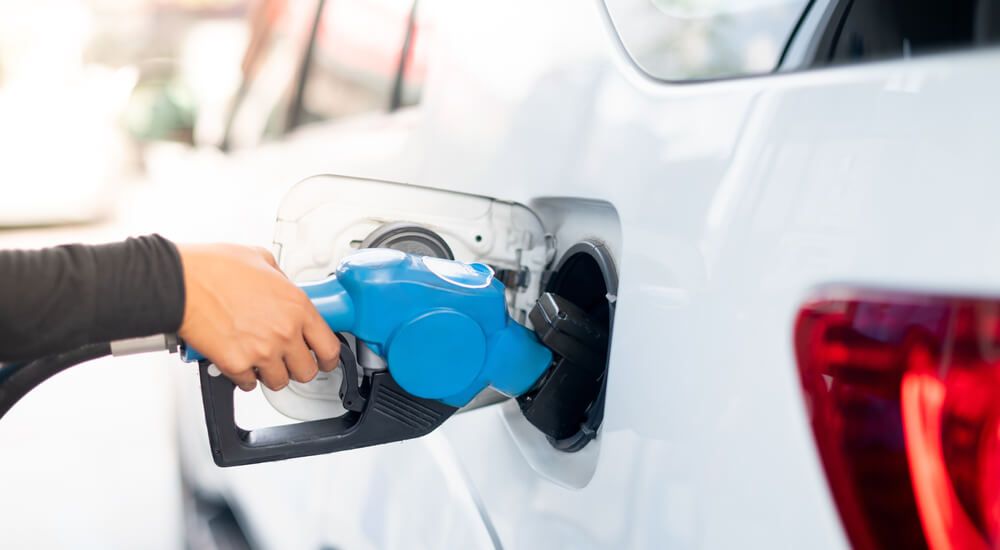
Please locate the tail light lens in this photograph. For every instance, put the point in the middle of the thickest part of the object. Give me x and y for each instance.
(904, 397)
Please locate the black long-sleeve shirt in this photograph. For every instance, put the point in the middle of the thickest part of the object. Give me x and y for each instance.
(57, 299)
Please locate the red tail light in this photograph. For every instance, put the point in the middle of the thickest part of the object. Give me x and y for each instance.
(904, 397)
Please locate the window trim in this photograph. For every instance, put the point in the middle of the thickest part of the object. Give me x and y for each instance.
(293, 116)
(396, 98)
(820, 53)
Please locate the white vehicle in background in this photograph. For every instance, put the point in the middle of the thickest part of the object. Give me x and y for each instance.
(783, 210)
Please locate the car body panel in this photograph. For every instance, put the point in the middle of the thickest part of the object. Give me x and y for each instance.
(737, 200)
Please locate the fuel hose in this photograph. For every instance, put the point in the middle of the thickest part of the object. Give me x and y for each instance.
(17, 379)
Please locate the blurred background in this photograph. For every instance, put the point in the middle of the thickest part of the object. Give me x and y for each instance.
(184, 117)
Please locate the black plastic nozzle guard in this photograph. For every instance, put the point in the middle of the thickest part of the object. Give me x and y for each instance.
(563, 403)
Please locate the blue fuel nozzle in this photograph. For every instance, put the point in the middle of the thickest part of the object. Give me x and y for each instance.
(442, 327)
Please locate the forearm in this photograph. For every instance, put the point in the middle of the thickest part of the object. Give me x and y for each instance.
(60, 298)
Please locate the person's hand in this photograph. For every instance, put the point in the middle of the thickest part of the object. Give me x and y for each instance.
(244, 315)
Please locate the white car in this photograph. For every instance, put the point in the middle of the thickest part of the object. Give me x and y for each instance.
(782, 210)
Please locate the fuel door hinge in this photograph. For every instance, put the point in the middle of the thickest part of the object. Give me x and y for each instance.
(524, 283)
(284, 232)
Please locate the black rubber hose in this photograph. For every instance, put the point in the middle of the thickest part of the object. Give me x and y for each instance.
(16, 380)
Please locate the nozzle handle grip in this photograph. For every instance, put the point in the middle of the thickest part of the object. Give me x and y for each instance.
(391, 415)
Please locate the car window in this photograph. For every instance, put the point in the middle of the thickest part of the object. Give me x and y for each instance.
(705, 39)
(867, 30)
(354, 59)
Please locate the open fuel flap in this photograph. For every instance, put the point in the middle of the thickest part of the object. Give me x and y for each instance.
(568, 300)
